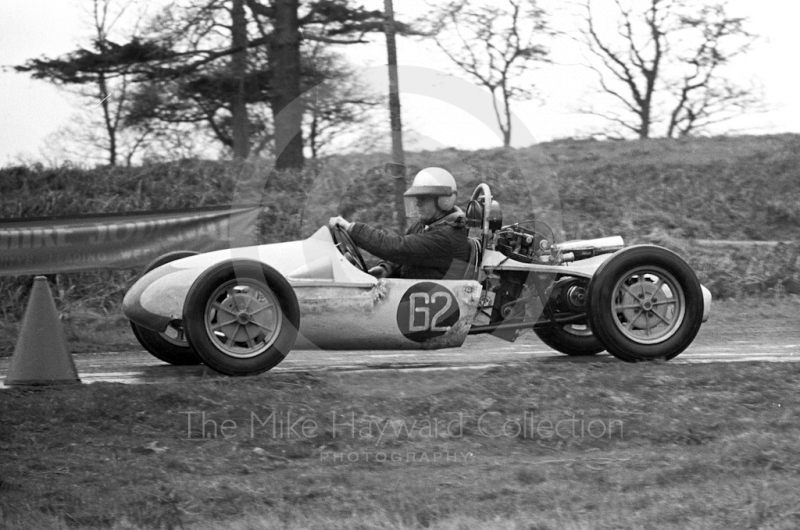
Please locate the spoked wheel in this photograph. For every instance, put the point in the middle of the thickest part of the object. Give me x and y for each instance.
(572, 339)
(347, 247)
(649, 305)
(645, 303)
(241, 317)
(170, 345)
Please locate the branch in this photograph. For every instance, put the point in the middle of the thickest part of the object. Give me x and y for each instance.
(612, 118)
(329, 40)
(626, 76)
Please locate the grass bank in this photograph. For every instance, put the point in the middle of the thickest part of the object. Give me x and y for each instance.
(668, 192)
(709, 188)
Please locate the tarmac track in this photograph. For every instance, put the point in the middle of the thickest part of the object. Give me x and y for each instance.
(755, 339)
(478, 353)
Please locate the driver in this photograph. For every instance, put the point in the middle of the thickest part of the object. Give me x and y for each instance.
(435, 247)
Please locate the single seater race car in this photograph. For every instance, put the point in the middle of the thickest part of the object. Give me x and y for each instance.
(242, 310)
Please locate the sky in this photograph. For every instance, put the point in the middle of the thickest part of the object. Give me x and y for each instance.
(31, 110)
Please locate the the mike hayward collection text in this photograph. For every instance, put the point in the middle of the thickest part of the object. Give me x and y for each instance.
(290, 425)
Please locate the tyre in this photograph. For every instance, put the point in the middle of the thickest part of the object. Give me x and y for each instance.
(573, 339)
(645, 303)
(171, 345)
(241, 317)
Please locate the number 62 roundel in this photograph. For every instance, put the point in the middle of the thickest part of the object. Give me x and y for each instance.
(426, 310)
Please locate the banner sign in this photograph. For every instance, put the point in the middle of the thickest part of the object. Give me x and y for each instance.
(119, 241)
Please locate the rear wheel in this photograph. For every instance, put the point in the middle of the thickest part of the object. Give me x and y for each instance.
(573, 339)
(169, 346)
(241, 317)
(645, 303)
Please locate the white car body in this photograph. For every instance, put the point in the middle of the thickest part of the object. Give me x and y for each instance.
(580, 297)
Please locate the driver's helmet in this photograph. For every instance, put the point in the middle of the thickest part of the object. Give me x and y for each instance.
(431, 182)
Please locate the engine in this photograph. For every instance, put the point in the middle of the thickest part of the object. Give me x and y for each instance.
(569, 296)
(531, 245)
(522, 244)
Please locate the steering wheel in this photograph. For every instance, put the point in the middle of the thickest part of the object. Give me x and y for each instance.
(347, 247)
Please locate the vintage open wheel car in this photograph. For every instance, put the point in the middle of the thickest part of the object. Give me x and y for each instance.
(241, 311)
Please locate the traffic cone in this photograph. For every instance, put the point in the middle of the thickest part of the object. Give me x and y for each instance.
(41, 356)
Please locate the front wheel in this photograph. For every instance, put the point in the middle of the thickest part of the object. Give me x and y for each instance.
(645, 303)
(576, 340)
(170, 345)
(241, 317)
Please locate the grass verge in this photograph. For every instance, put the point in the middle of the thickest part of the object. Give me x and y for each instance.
(536, 445)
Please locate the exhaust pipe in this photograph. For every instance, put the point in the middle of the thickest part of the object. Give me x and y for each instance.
(586, 248)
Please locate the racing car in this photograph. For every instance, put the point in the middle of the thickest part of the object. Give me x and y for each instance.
(242, 310)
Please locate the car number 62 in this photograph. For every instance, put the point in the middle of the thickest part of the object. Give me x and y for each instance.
(422, 303)
(427, 310)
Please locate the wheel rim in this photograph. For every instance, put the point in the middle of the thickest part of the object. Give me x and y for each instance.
(243, 318)
(648, 305)
(174, 335)
(578, 330)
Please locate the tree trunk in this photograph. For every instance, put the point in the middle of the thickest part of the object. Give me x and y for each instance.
(312, 135)
(507, 112)
(398, 157)
(110, 129)
(284, 59)
(644, 128)
(239, 121)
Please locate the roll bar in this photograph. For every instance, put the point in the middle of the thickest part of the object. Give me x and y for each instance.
(482, 190)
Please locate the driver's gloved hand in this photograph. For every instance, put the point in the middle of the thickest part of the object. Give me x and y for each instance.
(379, 272)
(339, 221)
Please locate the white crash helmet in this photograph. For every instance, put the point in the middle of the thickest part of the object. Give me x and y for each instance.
(431, 182)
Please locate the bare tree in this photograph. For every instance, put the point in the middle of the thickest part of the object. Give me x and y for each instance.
(104, 91)
(628, 71)
(664, 64)
(702, 95)
(495, 45)
(86, 139)
(337, 107)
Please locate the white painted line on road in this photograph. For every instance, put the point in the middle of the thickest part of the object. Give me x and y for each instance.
(537, 352)
(111, 374)
(707, 360)
(433, 368)
(724, 354)
(388, 355)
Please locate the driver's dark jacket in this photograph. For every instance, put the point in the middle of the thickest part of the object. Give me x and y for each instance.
(437, 251)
